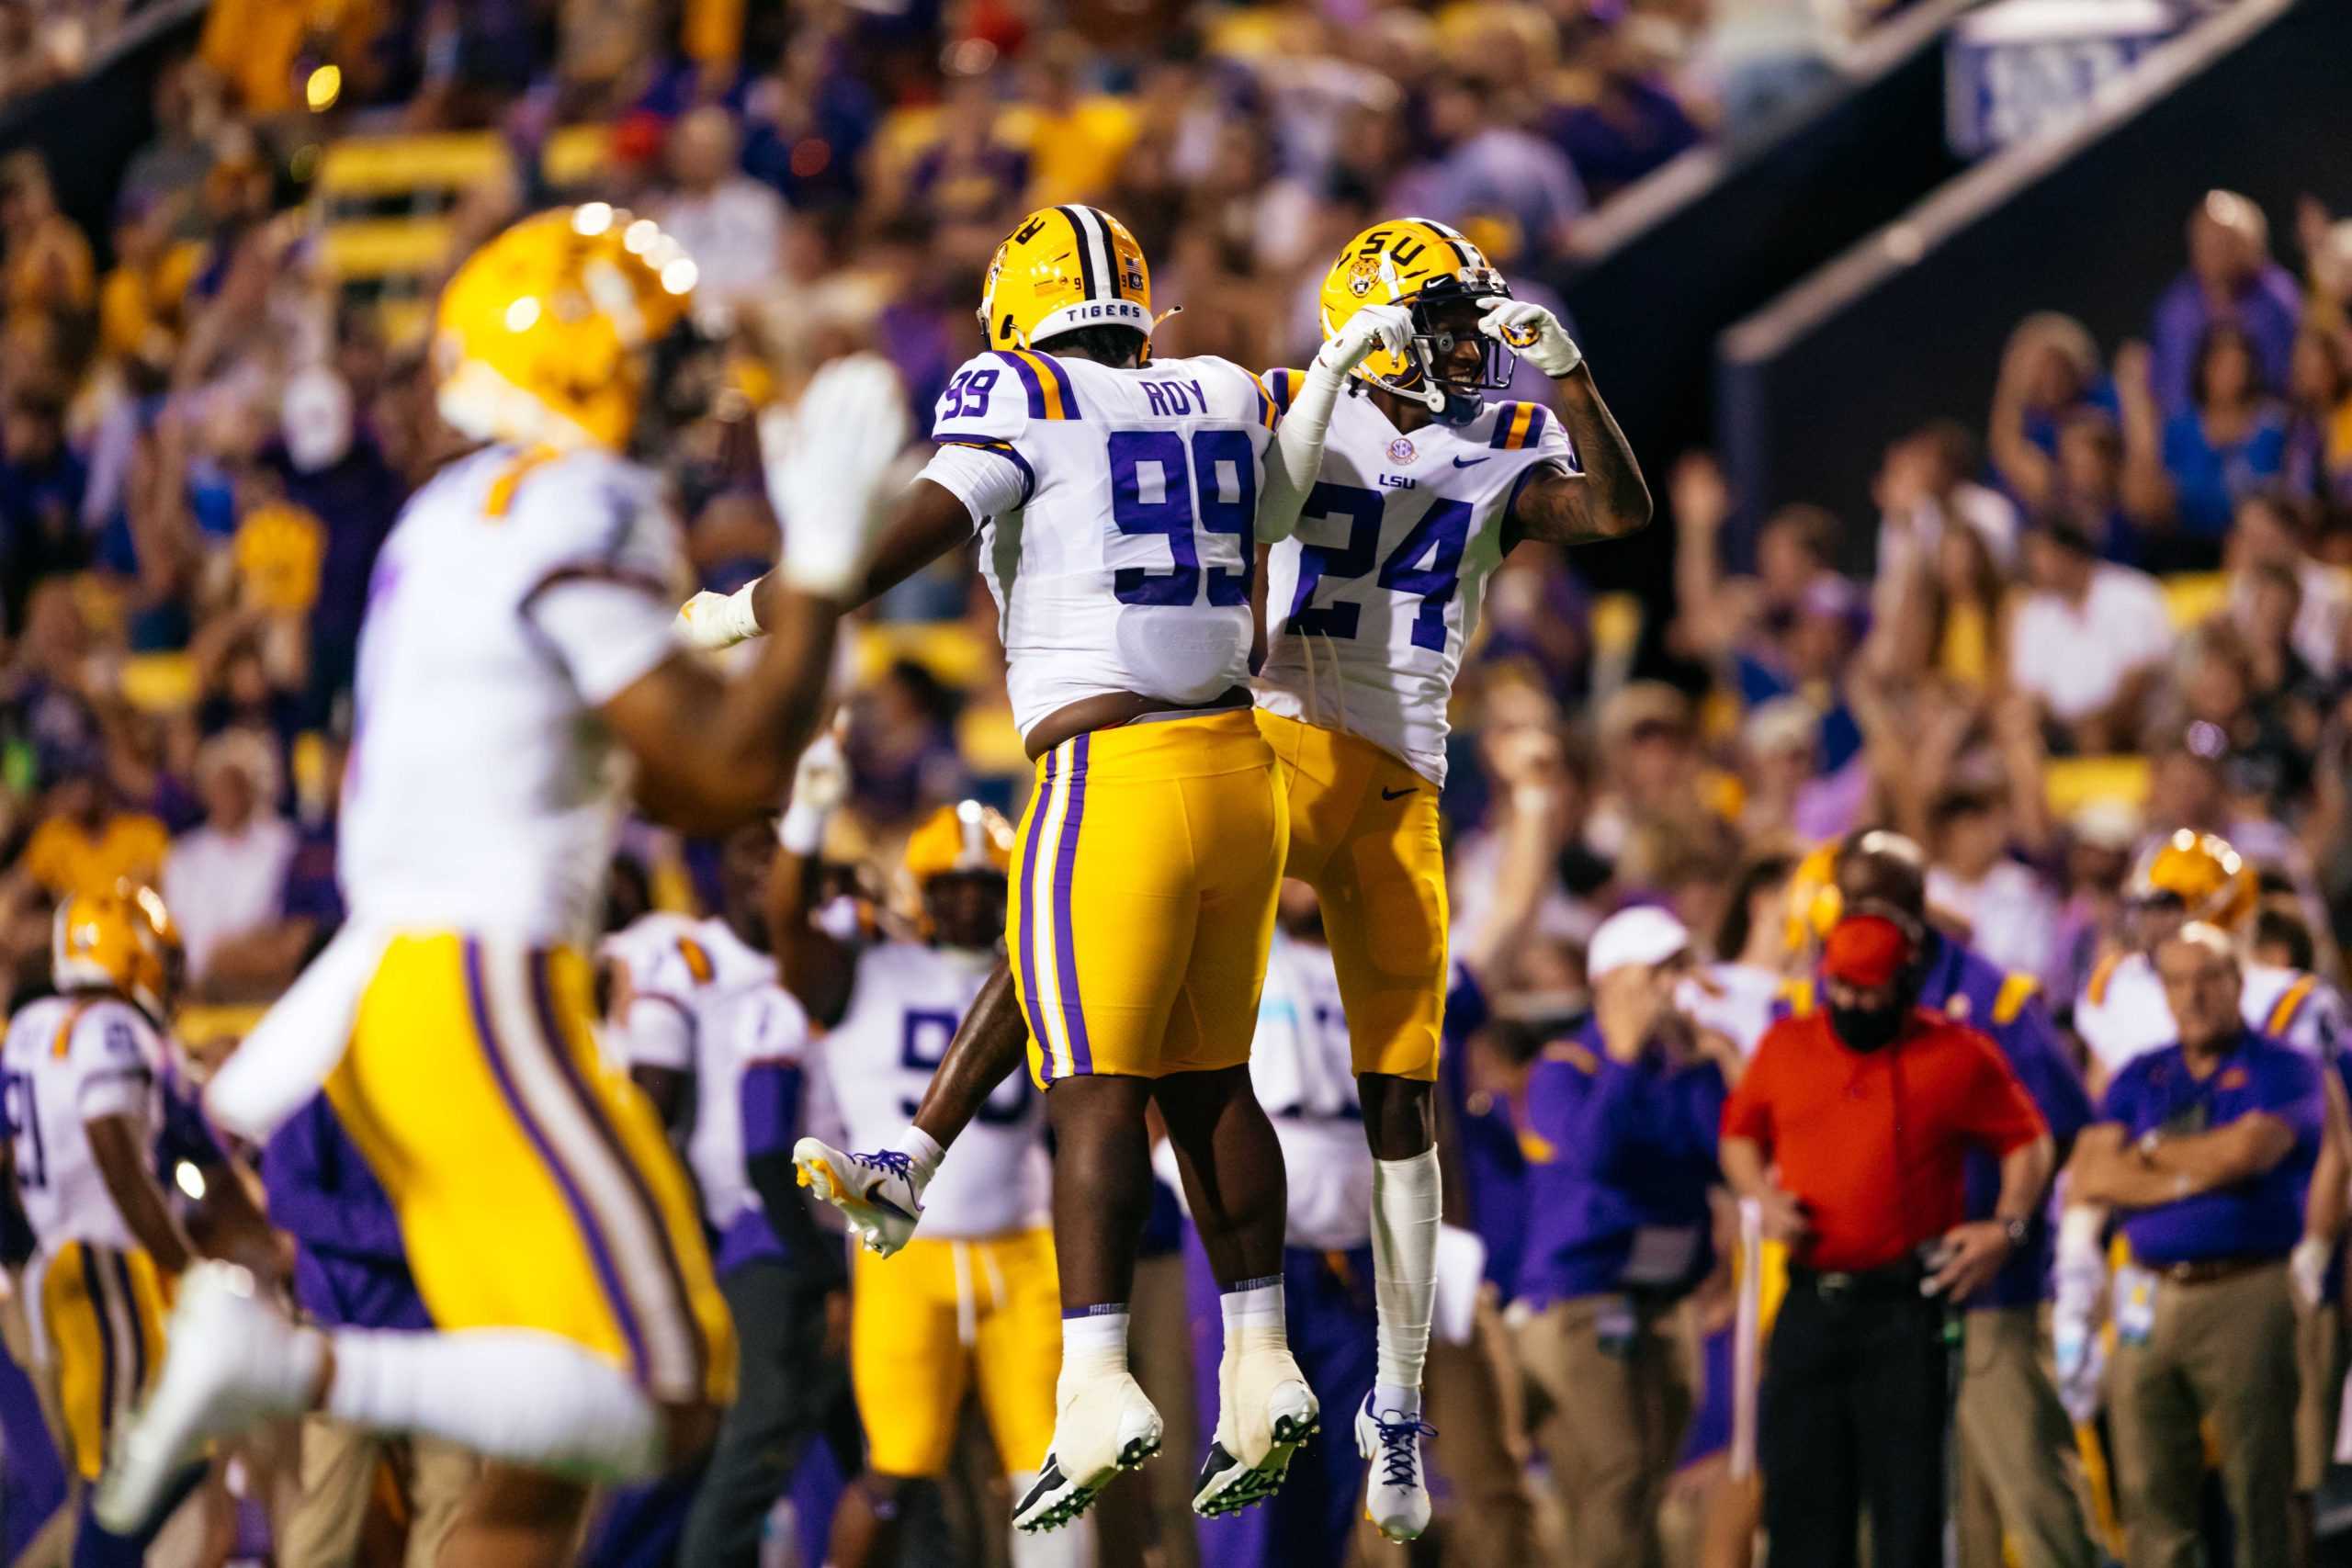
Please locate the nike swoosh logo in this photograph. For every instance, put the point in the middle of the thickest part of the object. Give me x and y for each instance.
(1409, 789)
(1470, 462)
(874, 1197)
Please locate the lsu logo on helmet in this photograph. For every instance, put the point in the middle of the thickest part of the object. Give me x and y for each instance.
(538, 335)
(1420, 263)
(1065, 267)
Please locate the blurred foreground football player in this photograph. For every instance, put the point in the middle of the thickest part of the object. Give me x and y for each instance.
(517, 646)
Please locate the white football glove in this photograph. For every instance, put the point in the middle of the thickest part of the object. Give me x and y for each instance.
(1371, 330)
(820, 785)
(714, 621)
(1532, 332)
(827, 459)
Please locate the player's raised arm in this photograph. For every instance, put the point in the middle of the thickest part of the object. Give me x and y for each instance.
(813, 964)
(1608, 500)
(714, 750)
(1296, 455)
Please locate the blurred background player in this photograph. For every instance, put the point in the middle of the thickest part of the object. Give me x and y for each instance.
(972, 1303)
(1304, 1072)
(720, 1048)
(2188, 875)
(1137, 952)
(1370, 607)
(517, 646)
(85, 1074)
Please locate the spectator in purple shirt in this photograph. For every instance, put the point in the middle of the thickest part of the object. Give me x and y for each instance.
(2231, 278)
(351, 1270)
(1622, 1123)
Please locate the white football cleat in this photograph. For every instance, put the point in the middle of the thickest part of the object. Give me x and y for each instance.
(1397, 1493)
(1104, 1426)
(1273, 1411)
(876, 1192)
(232, 1362)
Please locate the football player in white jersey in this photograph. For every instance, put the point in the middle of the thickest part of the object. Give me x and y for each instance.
(973, 1302)
(1118, 501)
(1423, 488)
(2188, 877)
(516, 665)
(84, 1077)
(720, 1048)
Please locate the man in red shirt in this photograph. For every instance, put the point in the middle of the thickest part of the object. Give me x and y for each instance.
(1849, 1129)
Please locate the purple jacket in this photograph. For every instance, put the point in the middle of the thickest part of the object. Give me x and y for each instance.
(351, 1268)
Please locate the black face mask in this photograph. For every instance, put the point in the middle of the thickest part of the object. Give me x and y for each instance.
(1866, 1029)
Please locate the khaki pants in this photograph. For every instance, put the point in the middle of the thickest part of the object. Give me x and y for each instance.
(1489, 1520)
(1622, 1408)
(2222, 1353)
(320, 1529)
(2320, 1363)
(2017, 1451)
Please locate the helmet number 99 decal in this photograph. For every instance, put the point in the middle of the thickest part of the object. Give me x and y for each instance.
(1154, 491)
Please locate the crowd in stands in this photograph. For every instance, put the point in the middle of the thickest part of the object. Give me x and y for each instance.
(2131, 570)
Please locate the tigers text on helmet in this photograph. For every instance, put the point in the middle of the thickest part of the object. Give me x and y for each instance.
(2208, 879)
(1422, 264)
(538, 338)
(1064, 268)
(122, 939)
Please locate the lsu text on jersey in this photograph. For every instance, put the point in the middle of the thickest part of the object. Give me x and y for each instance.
(1116, 509)
(972, 1300)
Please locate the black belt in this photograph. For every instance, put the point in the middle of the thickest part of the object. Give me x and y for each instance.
(2209, 1270)
(1893, 1282)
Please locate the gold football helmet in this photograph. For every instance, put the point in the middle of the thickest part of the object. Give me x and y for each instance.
(537, 337)
(2209, 880)
(958, 840)
(1065, 267)
(1418, 262)
(122, 939)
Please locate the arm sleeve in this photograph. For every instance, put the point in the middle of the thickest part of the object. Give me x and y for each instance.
(2047, 1075)
(1997, 1111)
(607, 594)
(989, 477)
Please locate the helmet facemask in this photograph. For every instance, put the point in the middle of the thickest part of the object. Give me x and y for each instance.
(1433, 342)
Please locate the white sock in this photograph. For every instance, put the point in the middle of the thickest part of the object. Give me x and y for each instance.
(1253, 1306)
(1094, 1344)
(507, 1394)
(1072, 1546)
(1406, 1206)
(924, 1154)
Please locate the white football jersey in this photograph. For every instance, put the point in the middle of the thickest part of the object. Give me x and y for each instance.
(1303, 1073)
(2122, 1013)
(518, 592)
(1370, 605)
(905, 1004)
(1116, 511)
(705, 1002)
(70, 1060)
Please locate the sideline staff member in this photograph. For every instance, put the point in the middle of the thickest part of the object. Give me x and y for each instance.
(2204, 1149)
(1868, 1107)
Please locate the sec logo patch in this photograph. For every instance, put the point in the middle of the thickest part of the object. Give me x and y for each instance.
(1400, 450)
